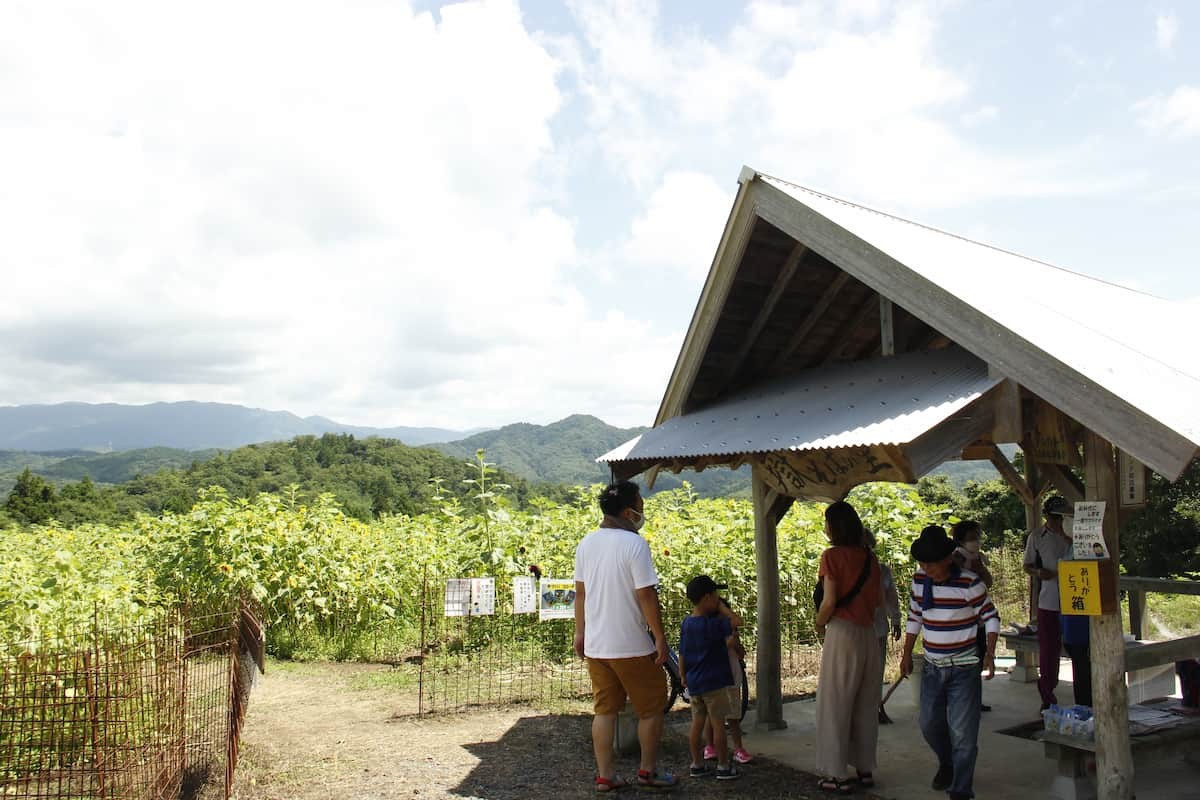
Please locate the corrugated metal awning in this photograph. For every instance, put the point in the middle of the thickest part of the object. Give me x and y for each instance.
(890, 401)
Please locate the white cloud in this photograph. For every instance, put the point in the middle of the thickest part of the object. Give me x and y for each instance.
(336, 209)
(681, 225)
(1166, 28)
(849, 98)
(985, 113)
(1174, 115)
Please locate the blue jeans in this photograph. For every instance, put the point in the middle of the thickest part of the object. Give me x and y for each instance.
(950, 699)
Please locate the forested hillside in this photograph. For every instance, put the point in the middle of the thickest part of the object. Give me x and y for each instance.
(369, 478)
(565, 452)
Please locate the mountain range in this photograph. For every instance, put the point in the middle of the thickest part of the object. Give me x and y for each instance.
(104, 427)
(61, 442)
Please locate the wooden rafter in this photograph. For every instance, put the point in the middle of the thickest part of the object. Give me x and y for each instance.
(809, 322)
(845, 334)
(782, 281)
(1012, 477)
(887, 330)
(1062, 479)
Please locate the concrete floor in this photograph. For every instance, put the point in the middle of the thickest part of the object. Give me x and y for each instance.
(1008, 766)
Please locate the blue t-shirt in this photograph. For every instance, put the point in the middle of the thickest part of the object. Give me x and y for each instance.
(1076, 630)
(705, 654)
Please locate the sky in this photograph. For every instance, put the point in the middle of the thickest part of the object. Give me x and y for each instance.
(478, 213)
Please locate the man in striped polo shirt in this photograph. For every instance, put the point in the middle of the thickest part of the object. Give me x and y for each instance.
(946, 606)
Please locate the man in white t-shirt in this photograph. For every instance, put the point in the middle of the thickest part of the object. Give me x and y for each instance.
(616, 598)
(1045, 547)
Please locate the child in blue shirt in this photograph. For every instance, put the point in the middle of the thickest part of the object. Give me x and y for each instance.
(704, 641)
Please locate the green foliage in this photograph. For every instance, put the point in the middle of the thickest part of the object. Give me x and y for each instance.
(322, 575)
(1163, 539)
(32, 500)
(369, 478)
(991, 503)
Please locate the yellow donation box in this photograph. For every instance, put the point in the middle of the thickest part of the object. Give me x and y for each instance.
(1079, 588)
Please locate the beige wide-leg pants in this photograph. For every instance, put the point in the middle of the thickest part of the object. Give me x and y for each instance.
(848, 693)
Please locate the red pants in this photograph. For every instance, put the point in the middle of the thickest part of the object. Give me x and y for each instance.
(1049, 634)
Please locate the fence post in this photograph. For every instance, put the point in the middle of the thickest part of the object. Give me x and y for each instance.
(421, 657)
(1137, 612)
(91, 661)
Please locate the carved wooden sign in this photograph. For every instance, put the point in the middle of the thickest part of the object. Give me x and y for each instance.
(831, 474)
(1052, 439)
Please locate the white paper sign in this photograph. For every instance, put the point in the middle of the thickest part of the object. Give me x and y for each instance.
(1087, 532)
(524, 595)
(483, 597)
(557, 599)
(458, 597)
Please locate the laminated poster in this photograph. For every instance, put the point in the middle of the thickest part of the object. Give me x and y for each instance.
(524, 595)
(458, 597)
(483, 597)
(557, 599)
(1087, 531)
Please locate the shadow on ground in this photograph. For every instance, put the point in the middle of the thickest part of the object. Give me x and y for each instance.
(551, 755)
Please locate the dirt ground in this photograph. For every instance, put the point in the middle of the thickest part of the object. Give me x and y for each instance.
(316, 732)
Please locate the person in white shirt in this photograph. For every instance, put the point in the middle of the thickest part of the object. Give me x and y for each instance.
(616, 599)
(1044, 548)
(888, 611)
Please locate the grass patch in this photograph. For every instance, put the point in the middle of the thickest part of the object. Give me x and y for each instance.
(396, 679)
(1173, 615)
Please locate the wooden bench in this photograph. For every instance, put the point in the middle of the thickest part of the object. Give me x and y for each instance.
(1025, 646)
(1076, 775)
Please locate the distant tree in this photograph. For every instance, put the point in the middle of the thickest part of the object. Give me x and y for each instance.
(1163, 539)
(32, 500)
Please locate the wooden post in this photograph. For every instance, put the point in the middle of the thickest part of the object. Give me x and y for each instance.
(769, 655)
(1033, 518)
(887, 334)
(1137, 613)
(1114, 755)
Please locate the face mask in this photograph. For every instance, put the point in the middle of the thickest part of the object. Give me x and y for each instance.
(972, 547)
(640, 521)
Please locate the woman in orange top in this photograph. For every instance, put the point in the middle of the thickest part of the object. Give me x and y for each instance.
(850, 686)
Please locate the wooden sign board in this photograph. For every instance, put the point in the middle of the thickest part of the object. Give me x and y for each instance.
(1051, 439)
(831, 474)
(1131, 479)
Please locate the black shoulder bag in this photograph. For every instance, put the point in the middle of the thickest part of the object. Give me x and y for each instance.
(848, 597)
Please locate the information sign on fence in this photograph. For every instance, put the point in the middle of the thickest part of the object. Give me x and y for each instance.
(1088, 531)
(458, 597)
(524, 595)
(483, 597)
(557, 599)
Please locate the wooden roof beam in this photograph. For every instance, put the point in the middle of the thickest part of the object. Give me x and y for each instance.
(814, 316)
(846, 334)
(782, 281)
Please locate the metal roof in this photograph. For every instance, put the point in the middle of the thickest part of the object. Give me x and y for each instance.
(1139, 347)
(889, 401)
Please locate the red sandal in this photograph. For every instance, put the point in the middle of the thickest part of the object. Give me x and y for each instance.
(613, 784)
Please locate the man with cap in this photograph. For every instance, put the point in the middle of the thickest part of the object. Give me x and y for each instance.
(1045, 547)
(946, 606)
(704, 641)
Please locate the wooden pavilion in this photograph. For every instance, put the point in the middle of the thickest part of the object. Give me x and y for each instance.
(834, 345)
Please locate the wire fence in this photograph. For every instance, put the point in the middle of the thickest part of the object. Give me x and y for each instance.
(478, 660)
(121, 710)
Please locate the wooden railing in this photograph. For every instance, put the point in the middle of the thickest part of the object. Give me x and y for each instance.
(1155, 653)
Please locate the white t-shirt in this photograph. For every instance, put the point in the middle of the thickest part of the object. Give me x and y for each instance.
(613, 564)
(1052, 548)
